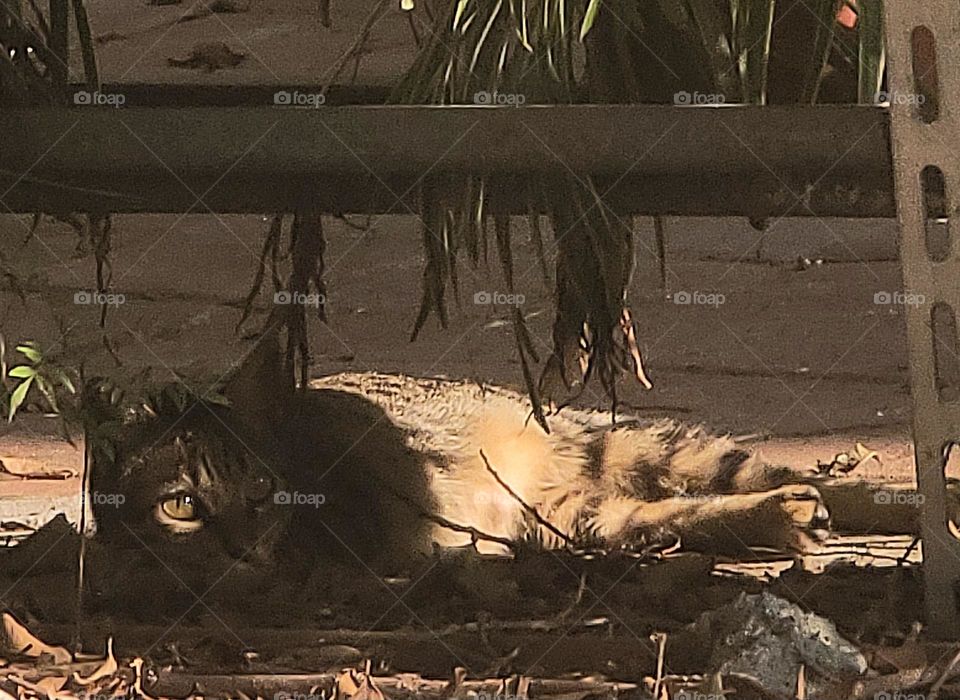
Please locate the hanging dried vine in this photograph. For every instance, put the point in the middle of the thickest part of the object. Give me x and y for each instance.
(305, 287)
(33, 71)
(527, 49)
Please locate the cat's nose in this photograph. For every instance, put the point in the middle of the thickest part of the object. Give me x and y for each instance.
(237, 545)
(247, 544)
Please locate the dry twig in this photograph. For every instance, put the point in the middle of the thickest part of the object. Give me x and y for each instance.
(527, 507)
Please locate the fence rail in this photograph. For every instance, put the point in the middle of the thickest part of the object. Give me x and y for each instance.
(260, 157)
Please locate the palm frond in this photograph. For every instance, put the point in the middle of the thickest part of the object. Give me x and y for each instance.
(871, 51)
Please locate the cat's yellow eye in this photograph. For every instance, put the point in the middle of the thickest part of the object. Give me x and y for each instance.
(180, 513)
(180, 508)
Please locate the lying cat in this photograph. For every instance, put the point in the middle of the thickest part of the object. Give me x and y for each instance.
(370, 470)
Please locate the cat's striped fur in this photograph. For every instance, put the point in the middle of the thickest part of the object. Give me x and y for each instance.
(618, 483)
(374, 469)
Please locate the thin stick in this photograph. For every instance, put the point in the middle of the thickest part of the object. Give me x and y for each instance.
(356, 49)
(474, 533)
(90, 73)
(581, 589)
(528, 508)
(661, 639)
(270, 244)
(906, 555)
(58, 41)
(525, 346)
(661, 240)
(413, 29)
(470, 530)
(944, 677)
(173, 683)
(41, 20)
(82, 554)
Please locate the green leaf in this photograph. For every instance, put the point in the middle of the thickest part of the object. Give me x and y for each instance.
(31, 353)
(713, 30)
(65, 381)
(589, 17)
(813, 67)
(47, 390)
(482, 42)
(872, 57)
(752, 31)
(18, 396)
(461, 6)
(22, 372)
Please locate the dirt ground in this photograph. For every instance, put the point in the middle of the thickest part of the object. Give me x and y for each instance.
(784, 352)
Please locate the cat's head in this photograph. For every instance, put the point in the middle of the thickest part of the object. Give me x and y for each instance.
(192, 491)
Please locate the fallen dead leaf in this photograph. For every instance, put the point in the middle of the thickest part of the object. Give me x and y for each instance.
(138, 691)
(46, 687)
(108, 668)
(52, 685)
(18, 639)
(358, 686)
(55, 475)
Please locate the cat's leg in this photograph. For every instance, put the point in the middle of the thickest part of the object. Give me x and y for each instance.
(789, 517)
(501, 469)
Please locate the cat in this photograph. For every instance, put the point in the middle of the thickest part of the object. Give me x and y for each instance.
(374, 470)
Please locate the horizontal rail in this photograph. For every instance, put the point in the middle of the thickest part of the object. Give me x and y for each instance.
(644, 159)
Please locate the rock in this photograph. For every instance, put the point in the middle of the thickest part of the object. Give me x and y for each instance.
(768, 638)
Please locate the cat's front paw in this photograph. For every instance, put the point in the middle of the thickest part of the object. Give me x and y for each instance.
(806, 511)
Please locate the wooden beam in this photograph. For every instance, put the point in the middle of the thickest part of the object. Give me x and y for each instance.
(758, 162)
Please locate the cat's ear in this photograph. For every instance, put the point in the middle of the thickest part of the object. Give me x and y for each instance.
(260, 388)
